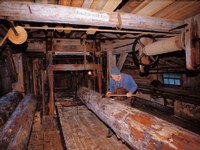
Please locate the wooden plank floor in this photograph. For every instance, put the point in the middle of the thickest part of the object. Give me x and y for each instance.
(82, 130)
(45, 136)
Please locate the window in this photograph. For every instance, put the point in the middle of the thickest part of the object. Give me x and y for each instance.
(172, 78)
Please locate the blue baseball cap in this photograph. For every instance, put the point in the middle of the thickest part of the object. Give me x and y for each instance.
(115, 71)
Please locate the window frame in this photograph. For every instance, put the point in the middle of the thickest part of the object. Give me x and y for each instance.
(173, 77)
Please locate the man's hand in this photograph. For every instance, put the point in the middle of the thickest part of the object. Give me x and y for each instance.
(108, 94)
(129, 94)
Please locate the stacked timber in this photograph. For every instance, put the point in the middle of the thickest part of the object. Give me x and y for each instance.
(16, 131)
(140, 130)
(8, 103)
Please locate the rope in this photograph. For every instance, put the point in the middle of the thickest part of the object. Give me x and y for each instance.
(119, 25)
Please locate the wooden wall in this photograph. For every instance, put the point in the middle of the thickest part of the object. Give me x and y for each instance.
(5, 80)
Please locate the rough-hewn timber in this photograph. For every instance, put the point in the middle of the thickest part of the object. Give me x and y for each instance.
(8, 103)
(34, 12)
(15, 134)
(140, 130)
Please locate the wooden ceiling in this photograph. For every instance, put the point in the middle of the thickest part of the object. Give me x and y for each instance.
(164, 15)
(156, 14)
(168, 9)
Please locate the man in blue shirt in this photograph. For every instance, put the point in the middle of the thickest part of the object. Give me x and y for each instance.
(121, 83)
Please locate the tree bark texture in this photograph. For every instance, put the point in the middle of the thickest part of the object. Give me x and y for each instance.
(16, 131)
(140, 130)
(8, 103)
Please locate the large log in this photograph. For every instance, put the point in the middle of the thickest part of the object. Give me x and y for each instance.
(8, 103)
(37, 12)
(15, 134)
(139, 129)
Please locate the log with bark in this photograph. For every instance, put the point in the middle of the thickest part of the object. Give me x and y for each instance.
(140, 130)
(16, 131)
(8, 103)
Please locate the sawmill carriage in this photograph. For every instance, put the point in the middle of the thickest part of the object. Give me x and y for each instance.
(55, 65)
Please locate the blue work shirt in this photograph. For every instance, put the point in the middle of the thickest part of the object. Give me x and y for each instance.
(126, 81)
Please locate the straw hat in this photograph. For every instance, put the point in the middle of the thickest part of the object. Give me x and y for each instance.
(20, 38)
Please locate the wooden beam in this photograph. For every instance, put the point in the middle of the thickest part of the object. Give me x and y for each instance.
(65, 2)
(114, 60)
(141, 6)
(41, 1)
(109, 35)
(19, 62)
(121, 43)
(121, 60)
(179, 94)
(178, 10)
(76, 3)
(33, 12)
(140, 130)
(119, 47)
(98, 4)
(109, 61)
(130, 6)
(125, 49)
(111, 5)
(154, 7)
(87, 3)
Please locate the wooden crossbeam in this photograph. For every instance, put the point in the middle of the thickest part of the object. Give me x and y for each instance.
(111, 5)
(87, 3)
(34, 12)
(121, 60)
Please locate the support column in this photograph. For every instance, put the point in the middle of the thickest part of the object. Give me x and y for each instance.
(109, 61)
(51, 95)
(121, 60)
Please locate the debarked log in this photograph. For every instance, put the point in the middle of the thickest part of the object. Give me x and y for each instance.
(8, 103)
(140, 130)
(16, 131)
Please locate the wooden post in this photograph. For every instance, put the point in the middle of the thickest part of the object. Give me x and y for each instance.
(19, 61)
(139, 129)
(8, 103)
(11, 66)
(15, 134)
(121, 60)
(109, 65)
(192, 46)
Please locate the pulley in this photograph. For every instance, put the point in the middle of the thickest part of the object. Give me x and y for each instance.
(17, 35)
